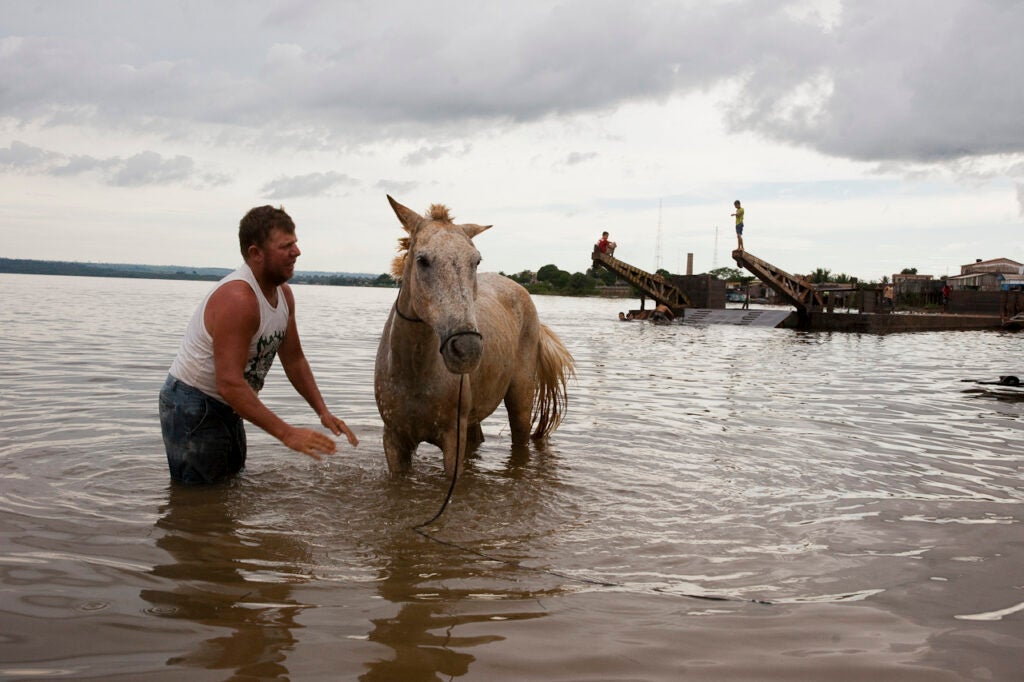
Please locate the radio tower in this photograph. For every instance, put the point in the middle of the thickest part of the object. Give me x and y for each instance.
(714, 255)
(657, 243)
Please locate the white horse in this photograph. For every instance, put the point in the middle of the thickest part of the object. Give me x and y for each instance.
(456, 344)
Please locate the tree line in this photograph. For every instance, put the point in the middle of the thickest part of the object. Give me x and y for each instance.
(551, 279)
(816, 276)
(548, 279)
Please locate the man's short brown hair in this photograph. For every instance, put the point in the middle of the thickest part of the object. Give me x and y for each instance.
(255, 227)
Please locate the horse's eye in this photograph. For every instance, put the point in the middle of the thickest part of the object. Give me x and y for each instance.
(422, 261)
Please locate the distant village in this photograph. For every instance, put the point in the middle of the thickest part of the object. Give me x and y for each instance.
(909, 288)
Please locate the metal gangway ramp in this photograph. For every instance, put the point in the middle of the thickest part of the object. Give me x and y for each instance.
(653, 285)
(795, 290)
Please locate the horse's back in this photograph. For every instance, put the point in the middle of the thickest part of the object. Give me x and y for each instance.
(506, 305)
(507, 290)
(525, 360)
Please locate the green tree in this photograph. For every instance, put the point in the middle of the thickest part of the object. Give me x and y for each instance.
(603, 275)
(580, 284)
(547, 272)
(524, 277)
(726, 273)
(820, 275)
(731, 275)
(553, 275)
(908, 271)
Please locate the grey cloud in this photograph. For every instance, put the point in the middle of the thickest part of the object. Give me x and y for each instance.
(150, 168)
(309, 185)
(396, 187)
(448, 63)
(1020, 198)
(917, 80)
(575, 158)
(79, 164)
(20, 157)
(212, 180)
(433, 153)
(144, 168)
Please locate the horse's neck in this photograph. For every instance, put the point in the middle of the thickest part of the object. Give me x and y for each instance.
(413, 343)
(403, 305)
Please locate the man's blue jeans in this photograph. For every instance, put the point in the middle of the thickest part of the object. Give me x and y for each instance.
(204, 438)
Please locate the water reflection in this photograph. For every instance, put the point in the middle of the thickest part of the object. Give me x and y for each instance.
(799, 468)
(452, 589)
(227, 576)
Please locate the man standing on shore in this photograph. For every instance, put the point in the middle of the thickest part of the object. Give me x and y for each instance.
(739, 223)
(229, 345)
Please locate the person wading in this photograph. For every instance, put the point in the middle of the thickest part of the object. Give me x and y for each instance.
(229, 345)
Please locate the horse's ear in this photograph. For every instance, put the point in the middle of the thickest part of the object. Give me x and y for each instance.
(410, 219)
(473, 230)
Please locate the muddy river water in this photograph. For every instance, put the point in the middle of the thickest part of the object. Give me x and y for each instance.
(721, 503)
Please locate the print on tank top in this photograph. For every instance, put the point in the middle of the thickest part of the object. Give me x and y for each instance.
(259, 365)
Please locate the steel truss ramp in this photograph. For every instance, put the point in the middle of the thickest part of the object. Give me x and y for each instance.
(795, 290)
(652, 285)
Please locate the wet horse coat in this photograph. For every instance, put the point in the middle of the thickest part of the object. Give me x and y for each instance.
(452, 329)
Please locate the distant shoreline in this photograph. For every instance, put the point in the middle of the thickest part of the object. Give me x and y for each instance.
(20, 266)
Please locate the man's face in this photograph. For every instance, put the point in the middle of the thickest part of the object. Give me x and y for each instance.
(279, 254)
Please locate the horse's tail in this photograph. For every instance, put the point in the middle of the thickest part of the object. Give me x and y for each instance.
(555, 367)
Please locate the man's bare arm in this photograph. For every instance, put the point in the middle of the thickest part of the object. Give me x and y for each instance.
(232, 318)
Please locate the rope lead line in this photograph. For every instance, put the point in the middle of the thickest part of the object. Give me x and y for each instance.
(418, 528)
(455, 469)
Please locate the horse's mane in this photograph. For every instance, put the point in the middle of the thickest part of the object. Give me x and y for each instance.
(438, 213)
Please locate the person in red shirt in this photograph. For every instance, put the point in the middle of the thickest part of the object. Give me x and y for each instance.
(605, 246)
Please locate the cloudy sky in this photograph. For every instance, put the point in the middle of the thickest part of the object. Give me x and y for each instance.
(863, 137)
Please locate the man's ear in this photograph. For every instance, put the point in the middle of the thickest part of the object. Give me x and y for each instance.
(253, 252)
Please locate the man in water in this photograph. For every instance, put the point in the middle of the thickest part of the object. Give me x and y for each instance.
(229, 346)
(739, 224)
(662, 313)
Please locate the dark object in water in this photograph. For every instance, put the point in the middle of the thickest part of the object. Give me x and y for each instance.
(1007, 388)
(1008, 380)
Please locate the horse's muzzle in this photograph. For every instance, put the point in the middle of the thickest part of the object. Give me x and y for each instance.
(462, 351)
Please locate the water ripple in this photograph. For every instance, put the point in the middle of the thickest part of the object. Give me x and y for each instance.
(734, 462)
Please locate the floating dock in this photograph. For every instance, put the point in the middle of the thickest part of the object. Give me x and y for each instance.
(755, 317)
(813, 311)
(869, 323)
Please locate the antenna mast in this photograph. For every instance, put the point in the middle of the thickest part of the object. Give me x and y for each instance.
(714, 256)
(657, 245)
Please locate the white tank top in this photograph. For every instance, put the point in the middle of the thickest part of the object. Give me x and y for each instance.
(194, 362)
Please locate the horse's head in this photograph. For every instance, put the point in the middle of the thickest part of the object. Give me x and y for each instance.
(437, 267)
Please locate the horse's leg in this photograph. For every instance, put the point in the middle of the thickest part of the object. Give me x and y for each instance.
(454, 444)
(398, 451)
(474, 435)
(518, 404)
